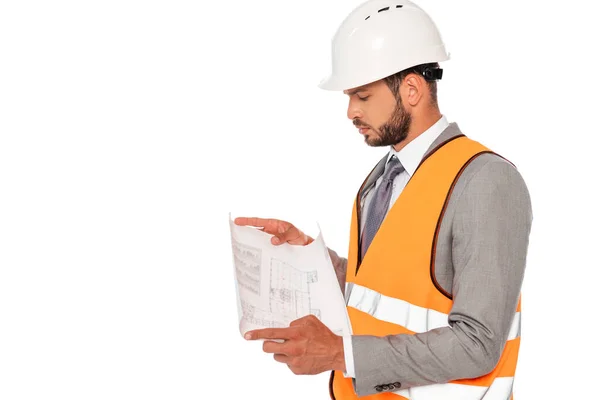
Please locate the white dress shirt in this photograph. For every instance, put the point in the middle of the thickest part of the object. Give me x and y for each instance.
(410, 157)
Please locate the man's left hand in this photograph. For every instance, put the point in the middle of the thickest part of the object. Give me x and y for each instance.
(309, 346)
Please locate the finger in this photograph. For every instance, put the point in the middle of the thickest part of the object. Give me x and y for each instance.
(290, 348)
(291, 235)
(274, 347)
(269, 225)
(282, 231)
(252, 221)
(282, 358)
(270, 333)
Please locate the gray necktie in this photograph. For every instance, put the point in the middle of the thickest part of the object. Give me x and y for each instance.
(380, 202)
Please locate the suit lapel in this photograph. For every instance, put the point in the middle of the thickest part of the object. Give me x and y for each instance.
(375, 173)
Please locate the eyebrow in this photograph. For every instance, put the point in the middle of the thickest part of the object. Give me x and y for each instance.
(355, 91)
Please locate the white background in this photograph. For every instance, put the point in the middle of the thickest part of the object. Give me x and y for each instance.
(129, 130)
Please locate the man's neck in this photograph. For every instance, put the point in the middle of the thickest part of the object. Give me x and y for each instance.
(418, 126)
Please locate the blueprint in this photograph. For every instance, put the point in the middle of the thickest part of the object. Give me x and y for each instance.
(276, 285)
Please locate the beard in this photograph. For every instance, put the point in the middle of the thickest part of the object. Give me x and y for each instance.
(394, 131)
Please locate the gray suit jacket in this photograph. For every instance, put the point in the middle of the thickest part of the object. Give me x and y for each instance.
(480, 262)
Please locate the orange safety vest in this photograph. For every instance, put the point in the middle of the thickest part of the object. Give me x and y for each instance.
(396, 279)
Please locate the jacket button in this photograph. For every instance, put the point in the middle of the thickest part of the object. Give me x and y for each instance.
(385, 387)
(378, 388)
(397, 385)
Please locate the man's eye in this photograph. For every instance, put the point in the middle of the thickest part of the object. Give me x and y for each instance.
(363, 98)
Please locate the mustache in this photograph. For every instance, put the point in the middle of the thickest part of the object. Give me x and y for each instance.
(359, 124)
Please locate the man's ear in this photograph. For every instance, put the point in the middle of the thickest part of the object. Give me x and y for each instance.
(414, 89)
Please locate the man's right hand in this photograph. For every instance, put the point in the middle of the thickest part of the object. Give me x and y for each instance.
(282, 231)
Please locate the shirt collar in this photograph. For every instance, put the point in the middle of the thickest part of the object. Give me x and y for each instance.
(410, 156)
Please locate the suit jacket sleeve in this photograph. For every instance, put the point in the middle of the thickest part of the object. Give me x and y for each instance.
(339, 265)
(490, 235)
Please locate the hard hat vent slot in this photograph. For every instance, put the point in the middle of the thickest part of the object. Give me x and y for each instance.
(385, 9)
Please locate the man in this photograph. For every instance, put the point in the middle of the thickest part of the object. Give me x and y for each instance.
(439, 233)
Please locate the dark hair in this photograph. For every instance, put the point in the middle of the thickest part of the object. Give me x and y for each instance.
(394, 81)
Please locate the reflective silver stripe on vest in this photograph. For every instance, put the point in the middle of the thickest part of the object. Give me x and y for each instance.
(347, 291)
(414, 318)
(501, 389)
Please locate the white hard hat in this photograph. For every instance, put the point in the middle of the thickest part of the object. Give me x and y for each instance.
(380, 38)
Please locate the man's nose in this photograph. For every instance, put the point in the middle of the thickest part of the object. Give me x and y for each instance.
(354, 112)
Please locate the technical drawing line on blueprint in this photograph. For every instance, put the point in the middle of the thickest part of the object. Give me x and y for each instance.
(290, 291)
(276, 285)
